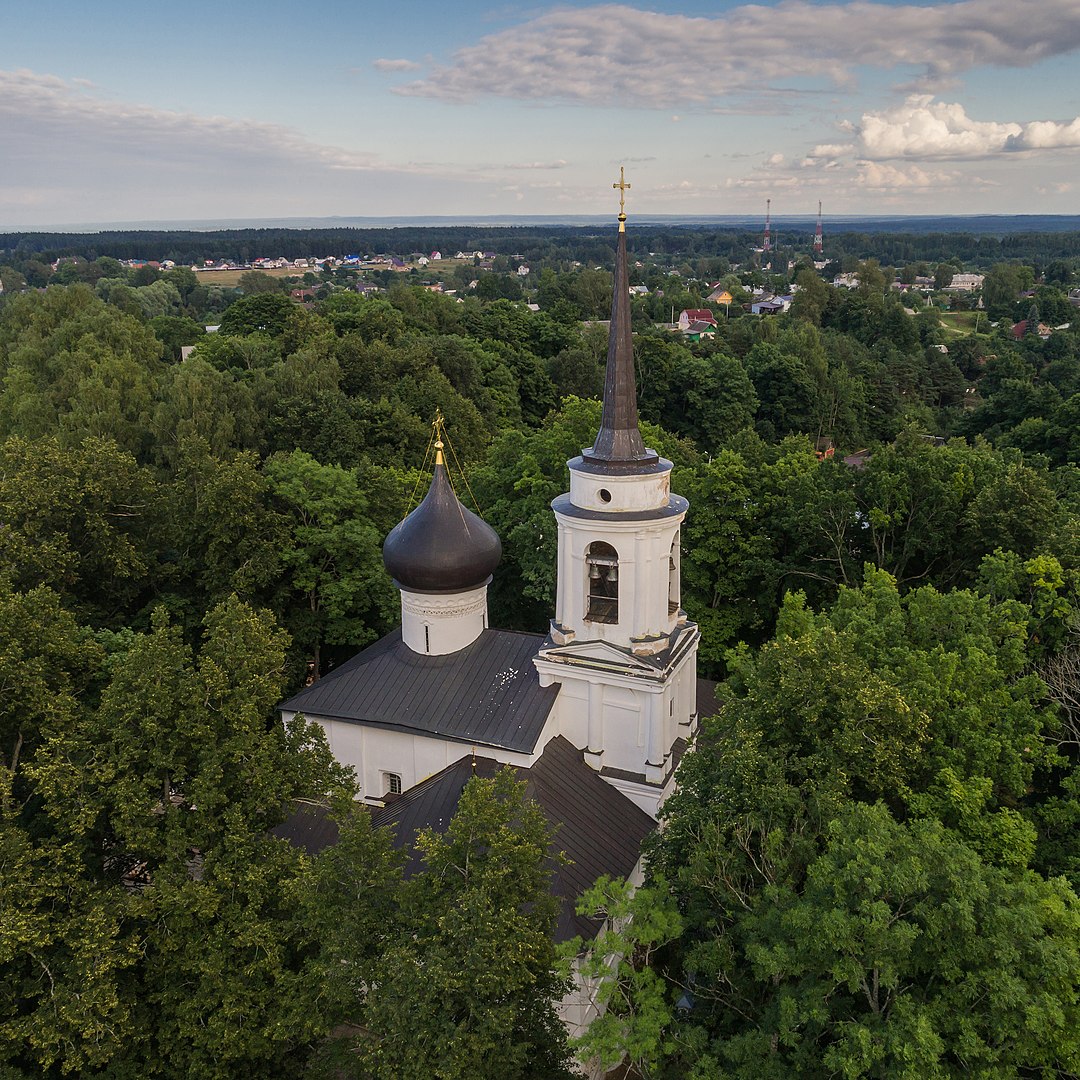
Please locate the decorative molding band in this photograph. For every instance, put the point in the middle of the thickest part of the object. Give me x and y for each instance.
(452, 607)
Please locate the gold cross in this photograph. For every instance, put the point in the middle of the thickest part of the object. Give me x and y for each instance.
(437, 428)
(623, 187)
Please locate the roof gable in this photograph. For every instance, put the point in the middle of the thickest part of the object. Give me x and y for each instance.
(600, 650)
(597, 827)
(487, 694)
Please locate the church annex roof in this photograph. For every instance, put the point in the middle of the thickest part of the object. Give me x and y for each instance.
(487, 694)
(598, 828)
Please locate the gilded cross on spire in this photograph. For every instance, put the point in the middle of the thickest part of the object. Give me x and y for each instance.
(623, 187)
(437, 428)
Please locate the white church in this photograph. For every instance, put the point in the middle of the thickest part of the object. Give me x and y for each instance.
(594, 715)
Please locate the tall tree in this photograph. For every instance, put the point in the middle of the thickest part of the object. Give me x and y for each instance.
(79, 519)
(339, 592)
(157, 807)
(468, 987)
(849, 850)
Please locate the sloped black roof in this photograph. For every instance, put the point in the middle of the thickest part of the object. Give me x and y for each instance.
(309, 827)
(487, 694)
(598, 828)
(431, 804)
(707, 702)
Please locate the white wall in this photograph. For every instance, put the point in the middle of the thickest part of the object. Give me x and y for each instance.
(371, 751)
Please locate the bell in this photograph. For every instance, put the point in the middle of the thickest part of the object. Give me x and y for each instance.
(594, 572)
(613, 574)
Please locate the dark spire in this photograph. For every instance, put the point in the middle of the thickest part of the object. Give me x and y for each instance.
(618, 442)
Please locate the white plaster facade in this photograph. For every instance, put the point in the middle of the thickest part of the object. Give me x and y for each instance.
(628, 679)
(441, 623)
(375, 752)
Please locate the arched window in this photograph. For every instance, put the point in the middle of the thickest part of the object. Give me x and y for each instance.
(602, 583)
(673, 599)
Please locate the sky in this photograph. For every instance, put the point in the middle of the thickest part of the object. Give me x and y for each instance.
(116, 112)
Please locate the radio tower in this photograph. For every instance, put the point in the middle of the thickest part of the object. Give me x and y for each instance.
(818, 246)
(766, 247)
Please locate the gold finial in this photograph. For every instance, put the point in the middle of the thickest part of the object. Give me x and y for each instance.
(623, 187)
(437, 429)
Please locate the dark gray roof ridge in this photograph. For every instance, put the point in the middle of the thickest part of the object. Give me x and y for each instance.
(487, 694)
(599, 828)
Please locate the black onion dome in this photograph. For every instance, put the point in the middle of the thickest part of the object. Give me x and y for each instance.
(441, 546)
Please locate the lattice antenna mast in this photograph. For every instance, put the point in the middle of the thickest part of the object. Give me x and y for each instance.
(819, 247)
(766, 246)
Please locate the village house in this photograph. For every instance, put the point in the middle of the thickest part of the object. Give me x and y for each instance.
(965, 283)
(771, 305)
(695, 315)
(699, 331)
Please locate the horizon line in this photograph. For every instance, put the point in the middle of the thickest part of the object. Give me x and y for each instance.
(402, 221)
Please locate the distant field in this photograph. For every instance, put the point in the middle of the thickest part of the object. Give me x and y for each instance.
(231, 278)
(964, 322)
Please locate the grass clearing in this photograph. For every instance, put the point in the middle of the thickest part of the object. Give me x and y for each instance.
(229, 279)
(964, 322)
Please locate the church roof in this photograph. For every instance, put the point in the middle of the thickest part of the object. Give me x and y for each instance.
(598, 828)
(441, 546)
(487, 694)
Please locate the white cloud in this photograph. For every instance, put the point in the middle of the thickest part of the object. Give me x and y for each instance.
(844, 178)
(61, 115)
(832, 150)
(924, 129)
(560, 164)
(384, 64)
(764, 184)
(1046, 135)
(92, 159)
(614, 54)
(883, 176)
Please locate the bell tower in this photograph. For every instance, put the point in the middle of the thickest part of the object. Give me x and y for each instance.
(620, 645)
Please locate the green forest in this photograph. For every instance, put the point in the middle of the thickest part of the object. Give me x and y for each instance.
(871, 865)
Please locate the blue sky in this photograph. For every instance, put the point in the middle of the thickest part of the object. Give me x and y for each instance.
(134, 112)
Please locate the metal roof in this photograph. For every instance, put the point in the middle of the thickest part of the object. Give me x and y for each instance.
(441, 546)
(430, 805)
(309, 827)
(487, 694)
(597, 827)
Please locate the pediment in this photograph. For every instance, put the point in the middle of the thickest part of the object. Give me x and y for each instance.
(597, 650)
